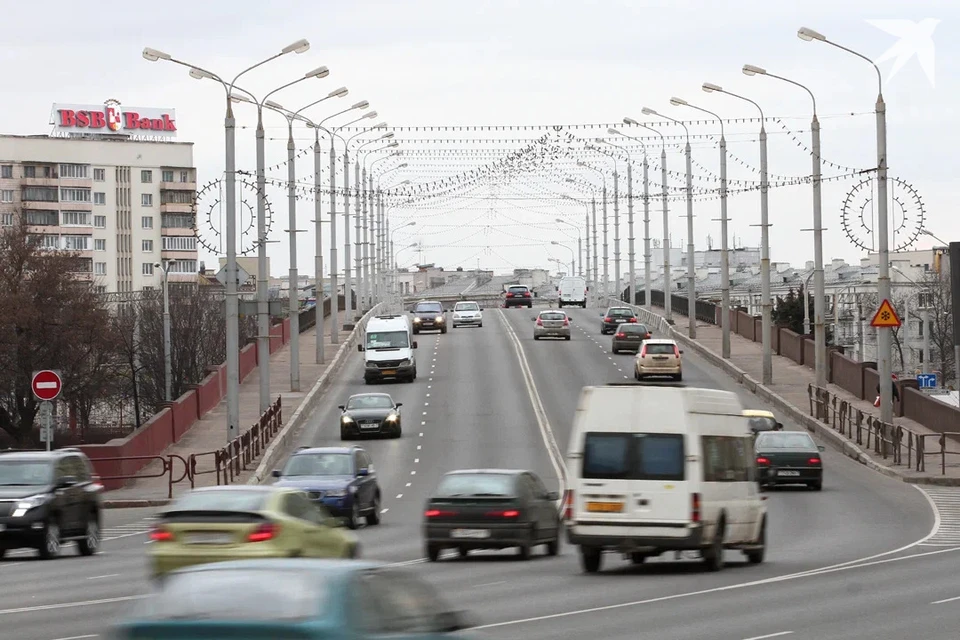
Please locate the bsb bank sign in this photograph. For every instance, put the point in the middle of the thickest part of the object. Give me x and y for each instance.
(133, 123)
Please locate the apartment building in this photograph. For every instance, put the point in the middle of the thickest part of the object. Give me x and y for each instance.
(122, 203)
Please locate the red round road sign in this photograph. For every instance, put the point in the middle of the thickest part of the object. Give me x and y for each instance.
(46, 384)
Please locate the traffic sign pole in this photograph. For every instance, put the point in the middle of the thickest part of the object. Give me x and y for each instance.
(46, 386)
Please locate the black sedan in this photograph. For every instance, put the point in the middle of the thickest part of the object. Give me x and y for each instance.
(788, 457)
(491, 509)
(370, 414)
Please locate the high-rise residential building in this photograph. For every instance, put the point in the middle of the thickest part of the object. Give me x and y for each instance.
(123, 203)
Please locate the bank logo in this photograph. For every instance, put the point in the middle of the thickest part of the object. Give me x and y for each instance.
(913, 39)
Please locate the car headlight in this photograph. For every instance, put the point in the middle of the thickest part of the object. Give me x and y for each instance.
(29, 503)
(457, 316)
(336, 493)
(416, 319)
(346, 419)
(392, 417)
(405, 363)
(439, 318)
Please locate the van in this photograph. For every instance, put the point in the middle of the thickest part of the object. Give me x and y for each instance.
(655, 468)
(388, 348)
(572, 292)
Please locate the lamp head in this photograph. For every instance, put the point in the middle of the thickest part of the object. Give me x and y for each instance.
(751, 70)
(558, 219)
(371, 115)
(300, 46)
(709, 87)
(379, 125)
(274, 105)
(361, 105)
(580, 163)
(154, 54)
(338, 93)
(401, 165)
(807, 34)
(554, 242)
(630, 121)
(387, 135)
(240, 98)
(647, 111)
(160, 266)
(319, 72)
(678, 102)
(613, 132)
(394, 144)
(200, 74)
(412, 222)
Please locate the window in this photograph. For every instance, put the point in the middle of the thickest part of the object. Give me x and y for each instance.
(319, 464)
(74, 171)
(429, 307)
(147, 269)
(166, 176)
(184, 176)
(100, 288)
(6, 195)
(146, 176)
(99, 197)
(147, 288)
(179, 243)
(726, 458)
(183, 266)
(6, 171)
(100, 222)
(100, 175)
(43, 218)
(6, 220)
(633, 456)
(75, 218)
(146, 246)
(76, 243)
(177, 221)
(467, 484)
(49, 241)
(40, 194)
(176, 197)
(146, 199)
(99, 268)
(146, 222)
(75, 195)
(100, 244)
(29, 172)
(398, 603)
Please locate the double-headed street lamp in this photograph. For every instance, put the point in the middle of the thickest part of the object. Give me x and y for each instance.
(230, 232)
(573, 260)
(376, 222)
(579, 245)
(360, 212)
(364, 252)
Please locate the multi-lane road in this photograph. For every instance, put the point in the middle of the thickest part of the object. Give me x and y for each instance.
(851, 561)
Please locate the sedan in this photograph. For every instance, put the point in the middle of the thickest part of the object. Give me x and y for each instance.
(788, 457)
(216, 524)
(551, 324)
(370, 414)
(629, 337)
(491, 509)
(294, 598)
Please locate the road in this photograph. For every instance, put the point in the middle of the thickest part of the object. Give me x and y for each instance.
(472, 407)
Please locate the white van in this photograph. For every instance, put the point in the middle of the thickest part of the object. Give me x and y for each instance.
(655, 468)
(388, 348)
(572, 292)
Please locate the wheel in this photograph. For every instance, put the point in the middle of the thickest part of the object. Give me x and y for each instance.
(368, 380)
(353, 521)
(444, 330)
(566, 337)
(479, 324)
(590, 559)
(615, 351)
(462, 552)
(373, 518)
(3, 552)
(416, 331)
(678, 377)
(816, 486)
(713, 557)
(51, 541)
(638, 558)
(433, 552)
(411, 378)
(397, 433)
(636, 374)
(354, 551)
(756, 556)
(553, 547)
(344, 435)
(90, 543)
(536, 337)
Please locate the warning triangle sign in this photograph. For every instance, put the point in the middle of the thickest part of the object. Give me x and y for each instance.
(885, 316)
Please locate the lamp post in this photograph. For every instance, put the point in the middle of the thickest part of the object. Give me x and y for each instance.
(616, 216)
(376, 219)
(631, 263)
(230, 232)
(364, 252)
(766, 302)
(724, 252)
(167, 355)
(646, 223)
(667, 281)
(587, 206)
(393, 255)
(606, 246)
(884, 334)
(691, 269)
(819, 285)
(579, 245)
(386, 253)
(573, 260)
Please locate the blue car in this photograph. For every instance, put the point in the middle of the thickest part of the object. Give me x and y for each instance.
(293, 599)
(340, 479)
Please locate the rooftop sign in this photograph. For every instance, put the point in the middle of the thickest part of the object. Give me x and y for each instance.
(110, 119)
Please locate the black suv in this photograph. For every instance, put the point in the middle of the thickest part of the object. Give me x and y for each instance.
(614, 317)
(518, 295)
(48, 498)
(428, 314)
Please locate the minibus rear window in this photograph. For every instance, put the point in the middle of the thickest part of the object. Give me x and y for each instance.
(633, 456)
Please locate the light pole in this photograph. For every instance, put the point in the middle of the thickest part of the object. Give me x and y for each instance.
(667, 282)
(230, 231)
(724, 254)
(167, 355)
(579, 245)
(819, 284)
(646, 223)
(586, 269)
(606, 245)
(631, 262)
(884, 334)
(573, 260)
(394, 269)
(385, 235)
(376, 219)
(364, 252)
(766, 302)
(691, 268)
(616, 217)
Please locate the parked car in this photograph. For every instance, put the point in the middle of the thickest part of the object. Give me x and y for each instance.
(629, 337)
(788, 457)
(518, 295)
(467, 314)
(370, 414)
(551, 324)
(659, 357)
(614, 317)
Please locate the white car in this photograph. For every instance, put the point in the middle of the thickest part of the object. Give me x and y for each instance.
(467, 314)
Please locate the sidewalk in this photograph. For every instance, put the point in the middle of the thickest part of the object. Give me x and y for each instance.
(209, 433)
(790, 387)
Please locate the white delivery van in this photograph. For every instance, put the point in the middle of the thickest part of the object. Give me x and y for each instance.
(572, 292)
(388, 348)
(655, 468)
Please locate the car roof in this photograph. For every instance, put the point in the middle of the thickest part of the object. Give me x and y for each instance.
(429, 302)
(553, 311)
(620, 309)
(326, 450)
(660, 341)
(37, 455)
(758, 413)
(467, 302)
(262, 488)
(328, 566)
(502, 472)
(517, 286)
(367, 395)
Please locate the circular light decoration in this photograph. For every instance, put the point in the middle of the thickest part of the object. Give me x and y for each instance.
(210, 212)
(906, 215)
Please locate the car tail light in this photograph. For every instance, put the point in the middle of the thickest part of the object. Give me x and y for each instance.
(643, 351)
(632, 320)
(763, 460)
(540, 322)
(608, 319)
(509, 295)
(621, 335)
(814, 461)
(676, 351)
(266, 531)
(510, 513)
(438, 513)
(566, 322)
(158, 534)
(695, 508)
(526, 295)
(568, 505)
(646, 337)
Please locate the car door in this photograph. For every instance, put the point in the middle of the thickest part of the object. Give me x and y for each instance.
(83, 492)
(548, 520)
(366, 485)
(66, 496)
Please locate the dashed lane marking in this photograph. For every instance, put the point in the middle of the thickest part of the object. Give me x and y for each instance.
(946, 502)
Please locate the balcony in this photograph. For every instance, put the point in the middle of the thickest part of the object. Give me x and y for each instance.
(40, 205)
(176, 207)
(178, 231)
(178, 186)
(84, 183)
(52, 181)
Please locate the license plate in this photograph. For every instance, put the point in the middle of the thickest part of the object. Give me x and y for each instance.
(605, 507)
(470, 533)
(209, 538)
(370, 425)
(389, 372)
(788, 473)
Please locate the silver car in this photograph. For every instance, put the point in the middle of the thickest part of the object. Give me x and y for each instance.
(551, 324)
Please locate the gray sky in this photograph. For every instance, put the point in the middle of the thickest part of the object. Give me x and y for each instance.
(438, 62)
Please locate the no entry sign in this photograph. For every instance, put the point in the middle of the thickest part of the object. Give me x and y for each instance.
(46, 384)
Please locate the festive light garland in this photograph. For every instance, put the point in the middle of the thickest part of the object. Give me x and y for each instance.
(853, 214)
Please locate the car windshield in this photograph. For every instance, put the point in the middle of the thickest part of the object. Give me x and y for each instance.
(319, 464)
(25, 473)
(467, 306)
(620, 312)
(552, 315)
(228, 500)
(632, 329)
(476, 484)
(429, 307)
(238, 594)
(633, 456)
(781, 440)
(762, 423)
(388, 340)
(370, 402)
(660, 349)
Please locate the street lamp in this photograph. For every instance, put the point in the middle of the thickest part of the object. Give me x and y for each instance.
(385, 236)
(606, 245)
(167, 355)
(884, 334)
(230, 231)
(766, 304)
(646, 220)
(393, 255)
(572, 257)
(616, 217)
(591, 210)
(365, 251)
(377, 238)
(579, 244)
(357, 300)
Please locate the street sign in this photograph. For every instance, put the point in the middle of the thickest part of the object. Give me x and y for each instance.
(46, 384)
(927, 380)
(885, 316)
(242, 276)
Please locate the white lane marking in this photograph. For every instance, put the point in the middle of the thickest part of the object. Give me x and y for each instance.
(489, 584)
(70, 605)
(409, 483)
(947, 600)
(428, 395)
(413, 473)
(945, 502)
(426, 404)
(109, 575)
(92, 635)
(424, 413)
(419, 447)
(416, 460)
(770, 635)
(399, 495)
(421, 434)
(731, 587)
(385, 510)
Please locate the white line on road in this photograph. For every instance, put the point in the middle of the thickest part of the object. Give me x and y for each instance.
(947, 600)
(70, 605)
(770, 635)
(109, 575)
(399, 495)
(94, 635)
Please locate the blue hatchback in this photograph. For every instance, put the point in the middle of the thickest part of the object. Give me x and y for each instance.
(293, 599)
(340, 479)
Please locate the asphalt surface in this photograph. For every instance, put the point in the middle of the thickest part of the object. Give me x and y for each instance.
(471, 407)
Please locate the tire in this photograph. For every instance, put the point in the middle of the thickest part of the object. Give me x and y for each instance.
(373, 518)
(344, 435)
(444, 330)
(678, 377)
(368, 380)
(526, 549)
(479, 324)
(416, 332)
(615, 351)
(433, 552)
(353, 521)
(90, 543)
(398, 432)
(50, 547)
(591, 558)
(713, 558)
(462, 552)
(636, 375)
(3, 552)
(816, 486)
(756, 556)
(638, 558)
(536, 337)
(566, 337)
(553, 547)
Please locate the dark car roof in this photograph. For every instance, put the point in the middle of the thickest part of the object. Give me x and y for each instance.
(325, 450)
(367, 395)
(627, 309)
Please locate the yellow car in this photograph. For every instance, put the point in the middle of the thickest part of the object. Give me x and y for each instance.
(245, 522)
(761, 420)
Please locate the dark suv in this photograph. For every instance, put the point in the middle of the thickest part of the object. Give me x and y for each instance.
(48, 498)
(518, 295)
(428, 314)
(614, 317)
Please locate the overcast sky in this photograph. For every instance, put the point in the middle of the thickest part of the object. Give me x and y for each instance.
(529, 62)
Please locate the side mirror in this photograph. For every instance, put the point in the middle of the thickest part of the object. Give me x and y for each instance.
(778, 426)
(275, 473)
(553, 495)
(361, 473)
(341, 407)
(398, 405)
(360, 348)
(533, 319)
(481, 308)
(451, 621)
(414, 344)
(411, 310)
(681, 350)
(821, 448)
(66, 481)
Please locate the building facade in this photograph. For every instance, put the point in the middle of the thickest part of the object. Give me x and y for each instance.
(123, 205)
